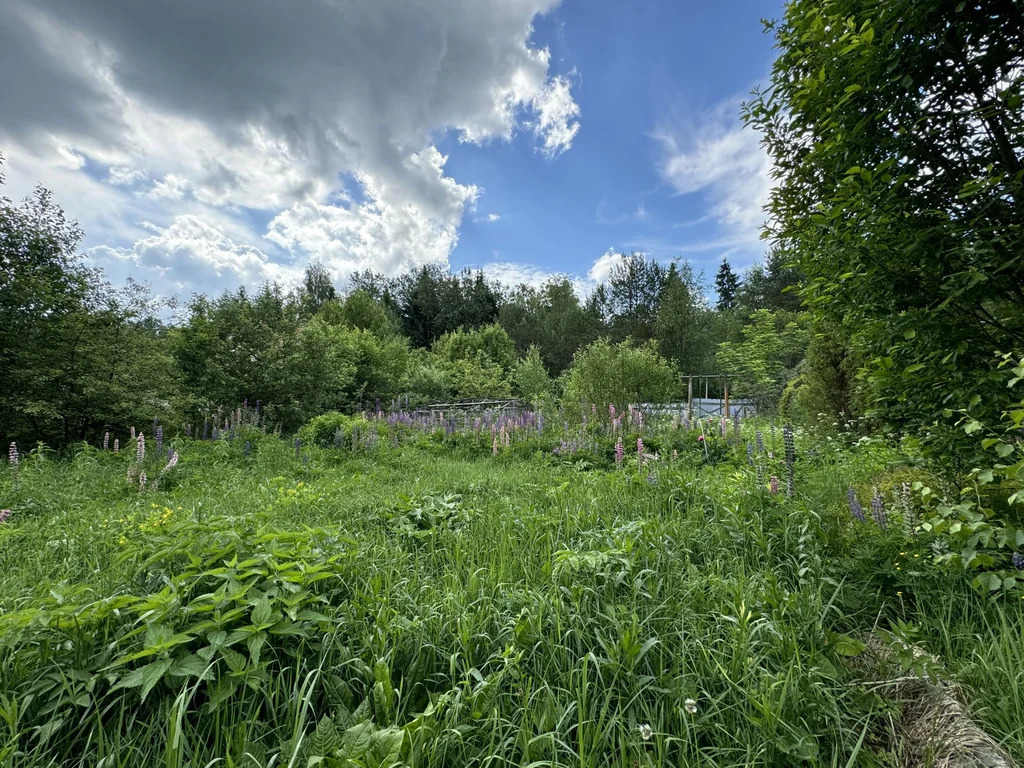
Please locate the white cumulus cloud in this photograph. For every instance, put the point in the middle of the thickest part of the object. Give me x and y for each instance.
(320, 117)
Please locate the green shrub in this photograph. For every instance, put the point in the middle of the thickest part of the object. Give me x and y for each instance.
(320, 430)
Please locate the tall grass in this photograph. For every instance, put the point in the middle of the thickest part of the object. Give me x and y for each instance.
(426, 606)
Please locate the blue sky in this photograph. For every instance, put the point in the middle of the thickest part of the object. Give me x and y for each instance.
(202, 147)
(662, 67)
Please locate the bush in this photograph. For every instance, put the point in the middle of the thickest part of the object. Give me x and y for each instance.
(620, 374)
(321, 430)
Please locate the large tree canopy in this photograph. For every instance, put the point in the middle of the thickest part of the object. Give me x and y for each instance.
(897, 136)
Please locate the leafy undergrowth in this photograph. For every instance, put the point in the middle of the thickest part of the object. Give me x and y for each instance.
(413, 608)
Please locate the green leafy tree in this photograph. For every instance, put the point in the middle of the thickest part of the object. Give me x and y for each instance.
(552, 319)
(897, 135)
(317, 288)
(631, 297)
(75, 357)
(530, 380)
(620, 374)
(774, 285)
(766, 359)
(683, 326)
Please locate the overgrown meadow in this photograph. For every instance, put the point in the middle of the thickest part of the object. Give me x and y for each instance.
(481, 590)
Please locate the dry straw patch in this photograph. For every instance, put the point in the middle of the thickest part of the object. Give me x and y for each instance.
(935, 731)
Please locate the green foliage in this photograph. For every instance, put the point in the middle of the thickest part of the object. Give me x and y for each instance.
(825, 387)
(489, 343)
(552, 319)
(983, 531)
(762, 364)
(727, 285)
(630, 300)
(530, 380)
(76, 357)
(433, 302)
(897, 136)
(438, 605)
(620, 374)
(684, 324)
(323, 430)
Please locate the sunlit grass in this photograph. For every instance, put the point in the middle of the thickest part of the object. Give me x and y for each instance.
(446, 608)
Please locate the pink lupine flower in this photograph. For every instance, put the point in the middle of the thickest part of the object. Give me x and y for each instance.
(4, 514)
(106, 440)
(611, 410)
(640, 450)
(172, 462)
(142, 481)
(773, 484)
(494, 447)
(140, 447)
(700, 438)
(12, 455)
(619, 452)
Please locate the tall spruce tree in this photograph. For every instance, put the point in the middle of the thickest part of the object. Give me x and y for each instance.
(726, 285)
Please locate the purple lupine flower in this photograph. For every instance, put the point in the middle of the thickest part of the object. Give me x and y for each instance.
(878, 510)
(140, 448)
(12, 455)
(248, 448)
(759, 470)
(855, 508)
(686, 421)
(106, 440)
(4, 515)
(652, 479)
(773, 484)
(188, 430)
(206, 429)
(1017, 560)
(117, 445)
(159, 435)
(298, 447)
(339, 437)
(619, 451)
(611, 411)
(759, 441)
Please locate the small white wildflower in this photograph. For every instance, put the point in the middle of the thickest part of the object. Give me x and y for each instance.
(646, 732)
(690, 705)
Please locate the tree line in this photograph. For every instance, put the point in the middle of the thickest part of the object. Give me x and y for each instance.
(79, 356)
